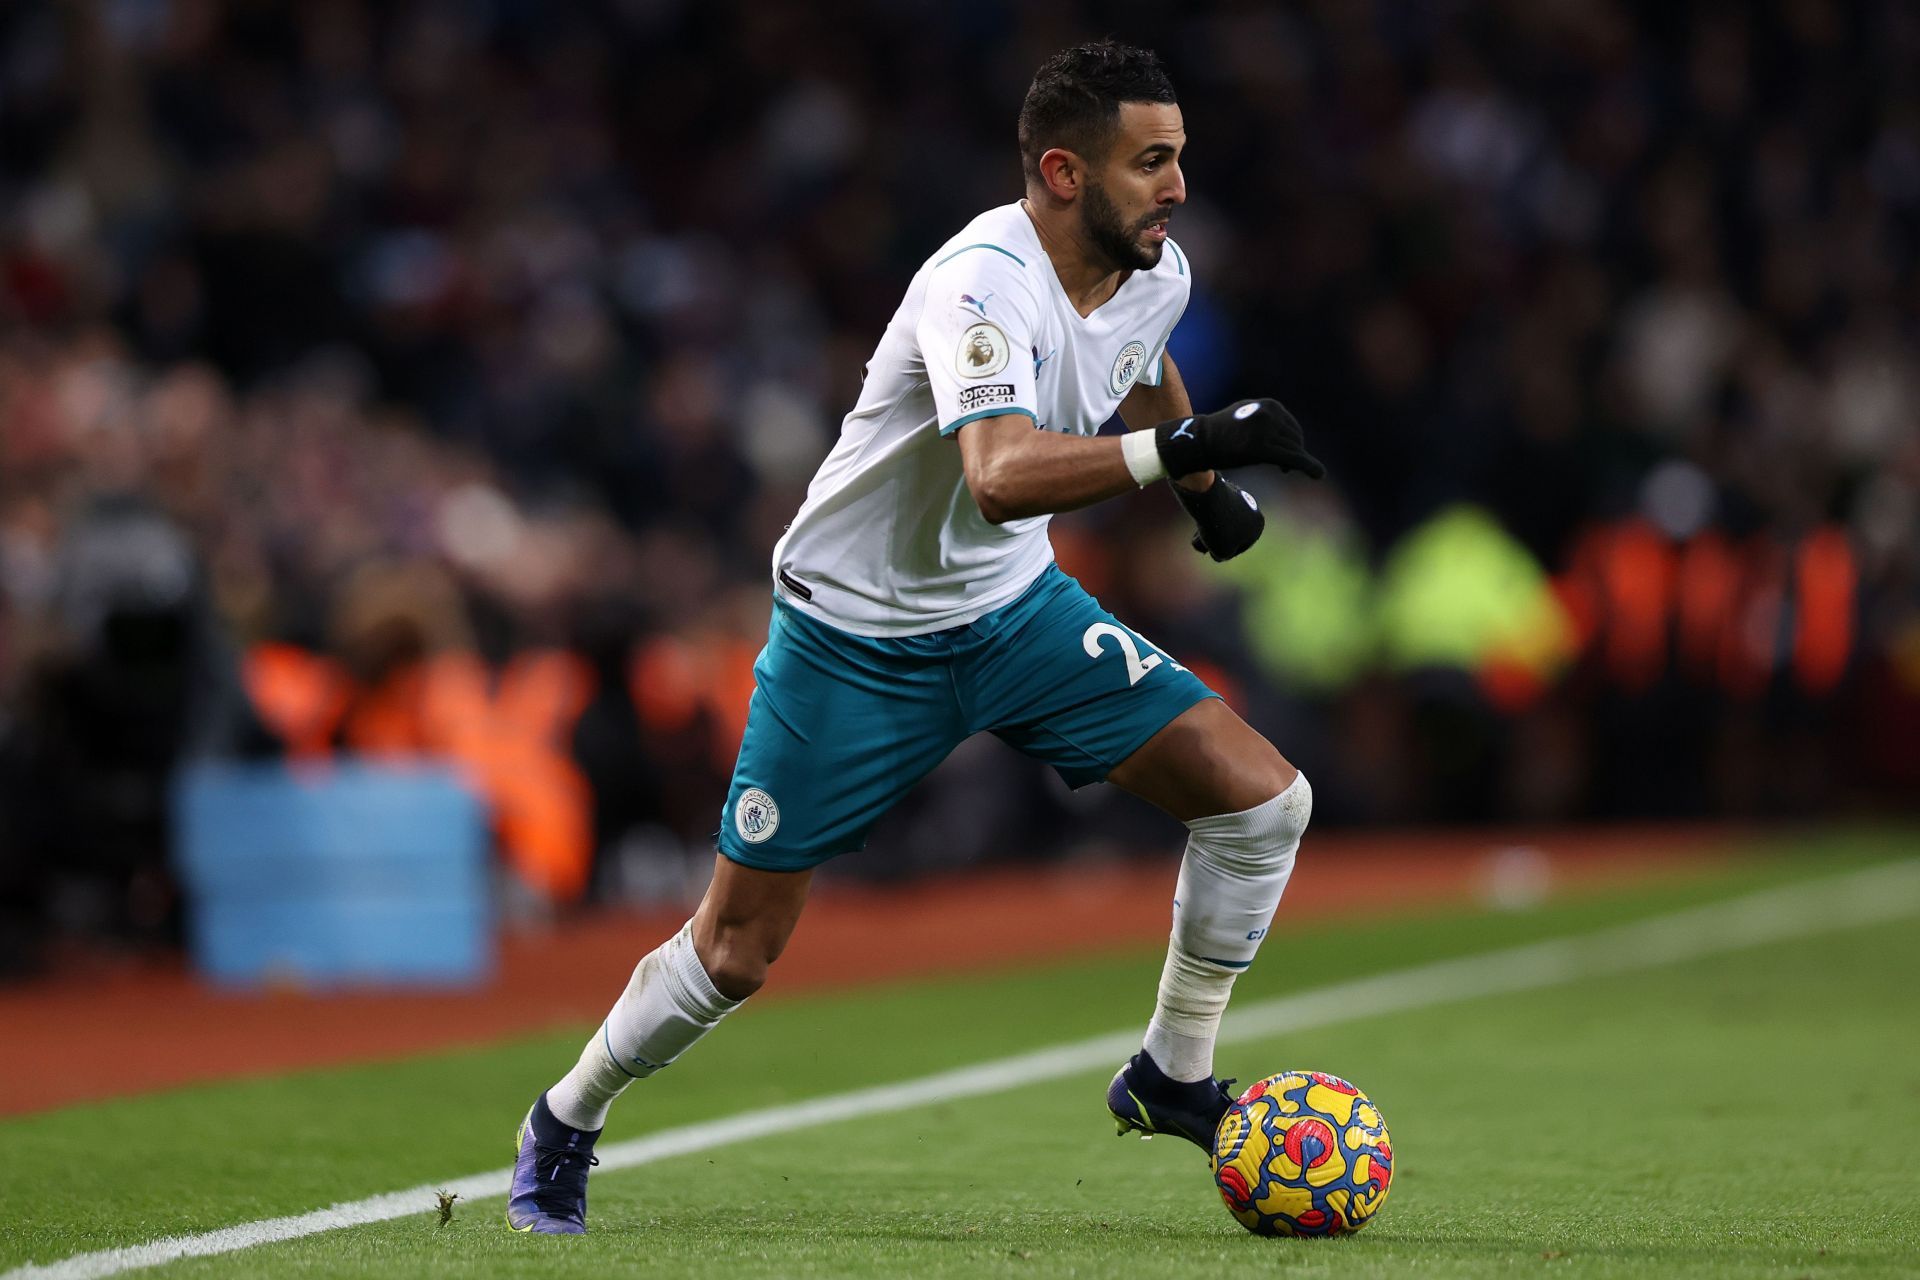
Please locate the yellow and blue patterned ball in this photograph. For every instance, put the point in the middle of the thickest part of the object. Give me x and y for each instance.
(1303, 1153)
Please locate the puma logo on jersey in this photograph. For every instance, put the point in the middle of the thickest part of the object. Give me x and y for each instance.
(977, 304)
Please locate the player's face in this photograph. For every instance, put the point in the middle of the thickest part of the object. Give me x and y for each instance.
(1131, 196)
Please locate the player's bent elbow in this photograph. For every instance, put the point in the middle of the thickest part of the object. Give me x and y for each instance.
(991, 459)
(999, 502)
(992, 510)
(987, 482)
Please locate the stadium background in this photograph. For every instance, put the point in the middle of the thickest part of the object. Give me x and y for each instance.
(401, 379)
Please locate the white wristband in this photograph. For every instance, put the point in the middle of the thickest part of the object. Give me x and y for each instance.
(1142, 455)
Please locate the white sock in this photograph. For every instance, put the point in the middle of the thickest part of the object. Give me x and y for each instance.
(669, 1003)
(1235, 869)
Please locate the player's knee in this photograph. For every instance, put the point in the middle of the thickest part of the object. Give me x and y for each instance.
(1295, 802)
(737, 975)
(1261, 841)
(1277, 777)
(737, 961)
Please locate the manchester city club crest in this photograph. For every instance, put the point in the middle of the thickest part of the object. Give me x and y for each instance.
(1126, 367)
(756, 817)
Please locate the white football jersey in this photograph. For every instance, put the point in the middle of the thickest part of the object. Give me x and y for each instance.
(889, 541)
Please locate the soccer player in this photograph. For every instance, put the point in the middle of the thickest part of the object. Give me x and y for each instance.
(916, 602)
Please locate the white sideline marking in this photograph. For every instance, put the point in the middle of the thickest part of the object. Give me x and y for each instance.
(1873, 896)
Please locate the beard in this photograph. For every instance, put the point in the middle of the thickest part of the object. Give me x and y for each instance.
(1119, 241)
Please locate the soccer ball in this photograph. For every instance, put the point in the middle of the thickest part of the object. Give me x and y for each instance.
(1303, 1153)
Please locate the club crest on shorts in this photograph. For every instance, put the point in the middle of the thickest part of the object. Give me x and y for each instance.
(983, 351)
(756, 817)
(1126, 366)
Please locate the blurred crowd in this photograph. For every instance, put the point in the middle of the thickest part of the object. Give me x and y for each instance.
(341, 338)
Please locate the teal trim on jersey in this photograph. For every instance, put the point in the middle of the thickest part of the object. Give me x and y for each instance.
(963, 248)
(1179, 258)
(958, 423)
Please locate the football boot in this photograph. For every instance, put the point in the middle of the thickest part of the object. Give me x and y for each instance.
(551, 1160)
(1144, 1100)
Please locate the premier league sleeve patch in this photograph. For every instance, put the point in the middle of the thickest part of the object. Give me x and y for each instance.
(984, 351)
(974, 355)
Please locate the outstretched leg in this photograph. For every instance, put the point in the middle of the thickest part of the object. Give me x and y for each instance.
(677, 994)
(685, 986)
(839, 727)
(1245, 808)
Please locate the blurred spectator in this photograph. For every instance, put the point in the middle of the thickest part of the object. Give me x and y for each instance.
(132, 677)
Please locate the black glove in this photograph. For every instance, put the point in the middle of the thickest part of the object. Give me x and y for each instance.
(1243, 433)
(1229, 518)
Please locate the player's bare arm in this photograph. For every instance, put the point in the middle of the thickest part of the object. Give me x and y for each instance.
(1014, 471)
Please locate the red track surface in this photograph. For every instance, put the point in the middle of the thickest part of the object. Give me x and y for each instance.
(66, 1038)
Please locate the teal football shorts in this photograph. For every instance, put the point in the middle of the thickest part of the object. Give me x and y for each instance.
(841, 726)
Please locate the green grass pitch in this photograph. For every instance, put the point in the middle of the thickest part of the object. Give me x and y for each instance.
(1752, 1113)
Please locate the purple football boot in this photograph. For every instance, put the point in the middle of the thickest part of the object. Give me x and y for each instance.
(549, 1193)
(1145, 1101)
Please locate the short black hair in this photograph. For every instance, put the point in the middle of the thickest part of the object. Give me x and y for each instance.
(1074, 101)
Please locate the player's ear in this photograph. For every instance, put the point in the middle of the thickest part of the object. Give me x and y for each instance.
(1062, 173)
